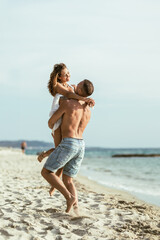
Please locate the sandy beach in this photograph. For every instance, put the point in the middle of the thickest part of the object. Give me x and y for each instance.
(28, 212)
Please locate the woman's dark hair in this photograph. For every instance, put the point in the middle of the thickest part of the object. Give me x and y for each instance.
(56, 69)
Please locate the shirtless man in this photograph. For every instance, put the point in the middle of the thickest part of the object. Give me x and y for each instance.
(70, 152)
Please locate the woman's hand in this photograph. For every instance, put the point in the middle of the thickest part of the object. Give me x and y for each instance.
(90, 102)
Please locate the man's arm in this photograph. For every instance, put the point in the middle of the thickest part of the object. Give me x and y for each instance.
(58, 114)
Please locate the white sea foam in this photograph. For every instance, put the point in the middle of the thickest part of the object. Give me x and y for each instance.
(152, 192)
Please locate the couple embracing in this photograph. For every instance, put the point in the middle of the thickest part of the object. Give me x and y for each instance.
(70, 114)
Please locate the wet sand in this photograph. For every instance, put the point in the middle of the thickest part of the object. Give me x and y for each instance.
(28, 212)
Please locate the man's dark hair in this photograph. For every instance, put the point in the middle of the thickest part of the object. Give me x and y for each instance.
(88, 87)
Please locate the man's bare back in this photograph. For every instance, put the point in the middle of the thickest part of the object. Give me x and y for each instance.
(76, 115)
(75, 119)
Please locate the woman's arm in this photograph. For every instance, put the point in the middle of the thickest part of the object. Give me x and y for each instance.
(62, 90)
(55, 81)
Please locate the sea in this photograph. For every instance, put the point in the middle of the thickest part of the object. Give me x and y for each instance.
(139, 176)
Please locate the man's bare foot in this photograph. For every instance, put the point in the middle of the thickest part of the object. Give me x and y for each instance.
(41, 156)
(70, 202)
(51, 191)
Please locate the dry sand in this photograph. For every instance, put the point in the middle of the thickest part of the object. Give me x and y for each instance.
(28, 212)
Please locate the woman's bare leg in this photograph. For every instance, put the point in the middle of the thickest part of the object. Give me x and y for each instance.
(57, 137)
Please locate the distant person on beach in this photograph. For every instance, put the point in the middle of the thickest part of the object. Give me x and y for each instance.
(58, 87)
(70, 152)
(23, 146)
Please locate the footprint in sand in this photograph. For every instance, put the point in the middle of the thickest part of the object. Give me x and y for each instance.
(52, 210)
(158, 225)
(1, 213)
(94, 205)
(79, 232)
(78, 218)
(99, 197)
(8, 210)
(5, 233)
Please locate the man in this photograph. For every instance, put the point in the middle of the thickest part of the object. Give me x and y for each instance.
(70, 152)
(23, 146)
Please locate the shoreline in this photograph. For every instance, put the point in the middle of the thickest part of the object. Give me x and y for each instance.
(27, 211)
(122, 192)
(97, 187)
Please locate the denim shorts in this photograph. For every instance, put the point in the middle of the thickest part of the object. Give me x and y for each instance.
(69, 155)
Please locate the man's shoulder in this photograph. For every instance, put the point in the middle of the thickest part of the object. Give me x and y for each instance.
(65, 102)
(71, 101)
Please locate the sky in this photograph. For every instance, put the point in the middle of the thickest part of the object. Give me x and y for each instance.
(113, 43)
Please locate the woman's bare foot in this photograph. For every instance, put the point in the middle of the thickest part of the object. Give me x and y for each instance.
(70, 201)
(41, 156)
(51, 191)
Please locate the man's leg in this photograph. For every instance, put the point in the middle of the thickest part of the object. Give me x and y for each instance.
(68, 181)
(59, 185)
